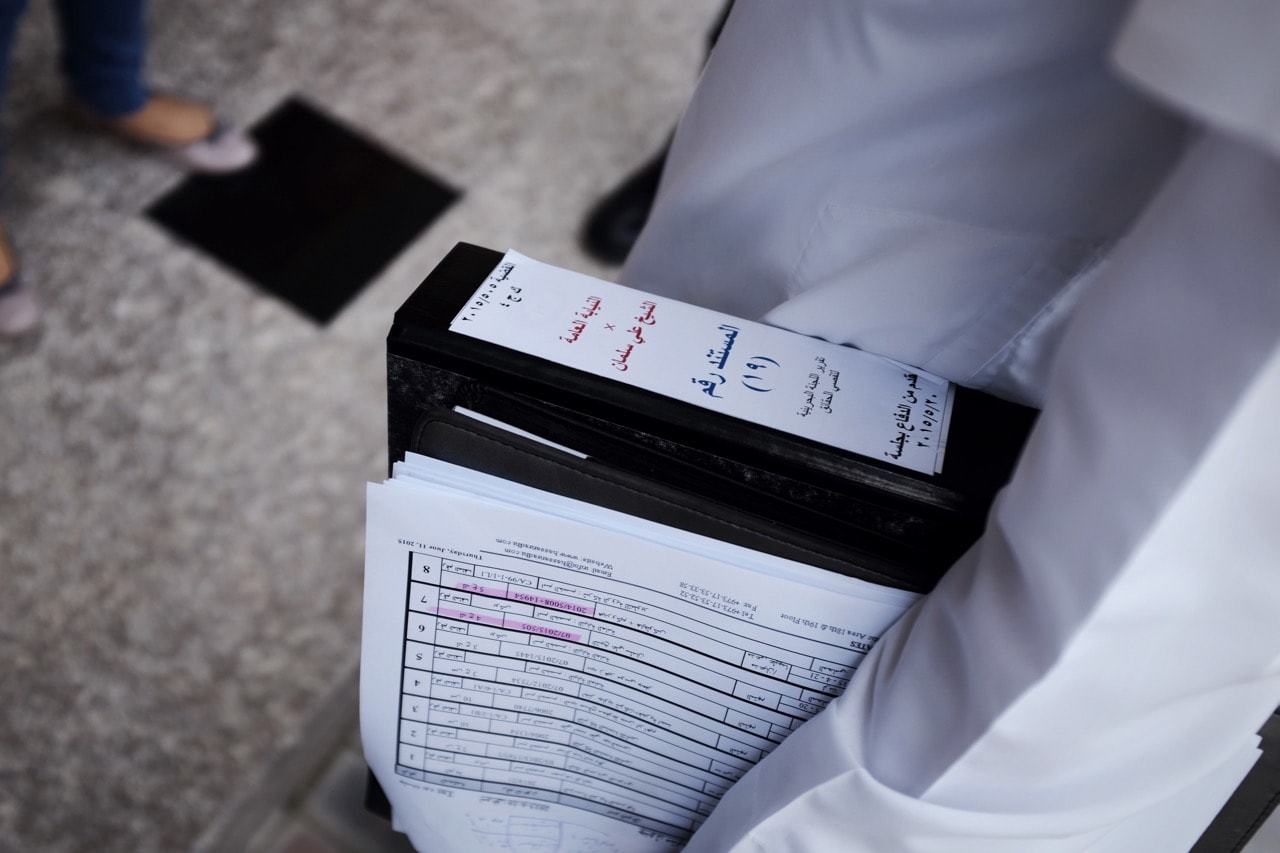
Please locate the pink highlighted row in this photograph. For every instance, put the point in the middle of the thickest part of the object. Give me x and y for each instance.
(530, 598)
(509, 624)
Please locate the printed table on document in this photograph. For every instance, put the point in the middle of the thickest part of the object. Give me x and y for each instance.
(545, 684)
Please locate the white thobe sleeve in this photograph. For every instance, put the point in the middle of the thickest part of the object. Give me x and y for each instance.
(1112, 642)
(1212, 61)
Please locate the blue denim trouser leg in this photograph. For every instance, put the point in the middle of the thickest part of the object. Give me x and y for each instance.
(10, 12)
(103, 53)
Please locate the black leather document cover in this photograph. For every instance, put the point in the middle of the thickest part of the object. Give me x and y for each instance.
(463, 441)
(887, 516)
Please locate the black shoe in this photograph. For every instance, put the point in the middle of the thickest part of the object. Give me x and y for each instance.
(614, 224)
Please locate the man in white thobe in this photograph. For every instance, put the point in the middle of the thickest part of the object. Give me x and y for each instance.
(1075, 206)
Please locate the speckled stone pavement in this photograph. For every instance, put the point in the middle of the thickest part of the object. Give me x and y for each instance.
(183, 459)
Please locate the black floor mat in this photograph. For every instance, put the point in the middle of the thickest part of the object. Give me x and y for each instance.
(322, 211)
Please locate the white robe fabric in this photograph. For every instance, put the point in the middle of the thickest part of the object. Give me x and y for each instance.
(960, 164)
(976, 191)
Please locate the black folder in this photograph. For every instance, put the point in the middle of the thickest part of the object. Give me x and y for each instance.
(670, 461)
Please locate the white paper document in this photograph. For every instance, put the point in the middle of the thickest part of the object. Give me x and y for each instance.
(543, 674)
(836, 395)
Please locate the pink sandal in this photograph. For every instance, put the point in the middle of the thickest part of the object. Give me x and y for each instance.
(19, 308)
(186, 132)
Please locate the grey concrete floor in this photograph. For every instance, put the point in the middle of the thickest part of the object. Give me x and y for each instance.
(183, 459)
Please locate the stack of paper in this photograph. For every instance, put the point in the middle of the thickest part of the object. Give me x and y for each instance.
(541, 673)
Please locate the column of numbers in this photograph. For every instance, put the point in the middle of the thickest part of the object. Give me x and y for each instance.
(420, 627)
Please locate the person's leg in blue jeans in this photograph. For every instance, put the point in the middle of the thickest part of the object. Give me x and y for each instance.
(102, 61)
(10, 12)
(103, 54)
